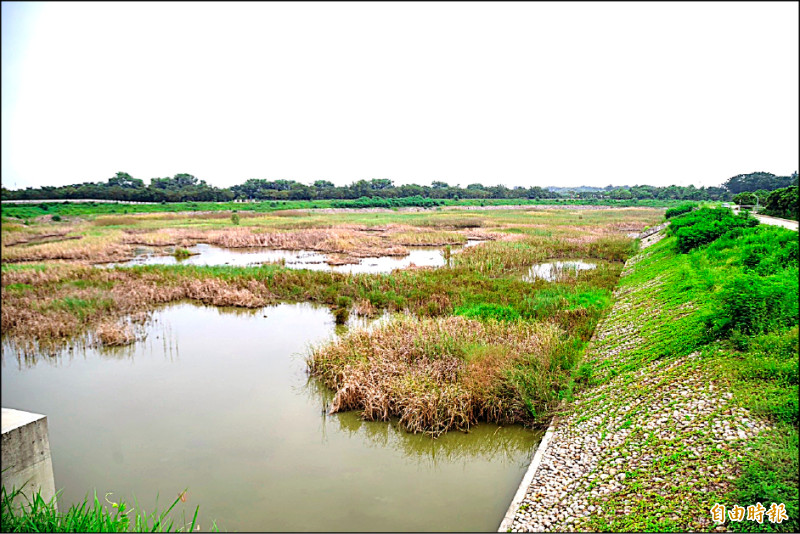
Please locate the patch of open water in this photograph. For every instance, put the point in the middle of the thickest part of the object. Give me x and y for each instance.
(298, 259)
(218, 401)
(553, 271)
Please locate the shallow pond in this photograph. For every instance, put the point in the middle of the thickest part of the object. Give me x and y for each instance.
(298, 259)
(556, 270)
(218, 401)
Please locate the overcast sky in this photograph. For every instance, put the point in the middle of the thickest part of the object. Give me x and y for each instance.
(515, 93)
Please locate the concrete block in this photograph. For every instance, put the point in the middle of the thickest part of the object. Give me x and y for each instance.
(26, 453)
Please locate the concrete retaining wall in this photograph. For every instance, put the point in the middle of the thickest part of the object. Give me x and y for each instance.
(26, 453)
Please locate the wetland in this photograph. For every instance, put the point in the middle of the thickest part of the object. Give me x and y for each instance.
(227, 373)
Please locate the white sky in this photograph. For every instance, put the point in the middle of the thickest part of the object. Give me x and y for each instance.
(525, 94)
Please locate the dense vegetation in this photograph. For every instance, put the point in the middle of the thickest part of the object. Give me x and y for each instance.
(483, 346)
(679, 210)
(782, 203)
(705, 225)
(186, 187)
(753, 315)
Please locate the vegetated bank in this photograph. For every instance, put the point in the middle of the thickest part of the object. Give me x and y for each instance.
(691, 393)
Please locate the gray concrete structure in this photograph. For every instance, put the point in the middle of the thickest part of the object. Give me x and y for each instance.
(26, 453)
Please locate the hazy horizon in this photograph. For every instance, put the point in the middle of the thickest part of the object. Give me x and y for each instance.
(514, 94)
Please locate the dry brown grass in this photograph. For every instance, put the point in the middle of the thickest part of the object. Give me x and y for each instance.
(115, 334)
(348, 236)
(433, 374)
(64, 302)
(427, 238)
(91, 250)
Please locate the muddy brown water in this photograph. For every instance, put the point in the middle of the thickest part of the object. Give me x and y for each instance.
(218, 401)
(205, 254)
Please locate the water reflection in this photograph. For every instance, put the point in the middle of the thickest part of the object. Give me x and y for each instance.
(205, 254)
(152, 333)
(146, 328)
(490, 442)
(233, 415)
(556, 270)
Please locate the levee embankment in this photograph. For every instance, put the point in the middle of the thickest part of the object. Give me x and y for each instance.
(658, 436)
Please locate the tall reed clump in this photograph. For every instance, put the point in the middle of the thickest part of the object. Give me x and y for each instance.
(38, 515)
(443, 373)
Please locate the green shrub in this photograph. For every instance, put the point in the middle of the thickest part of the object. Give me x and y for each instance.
(380, 202)
(750, 304)
(706, 225)
(679, 210)
(746, 199)
(783, 203)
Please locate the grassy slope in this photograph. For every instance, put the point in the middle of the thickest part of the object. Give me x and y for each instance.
(668, 310)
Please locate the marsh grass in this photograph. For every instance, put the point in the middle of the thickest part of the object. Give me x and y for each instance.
(40, 301)
(439, 374)
(106, 238)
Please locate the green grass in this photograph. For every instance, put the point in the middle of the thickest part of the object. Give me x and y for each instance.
(484, 311)
(23, 514)
(79, 307)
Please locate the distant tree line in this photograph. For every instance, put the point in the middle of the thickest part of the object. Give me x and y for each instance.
(186, 187)
(756, 181)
